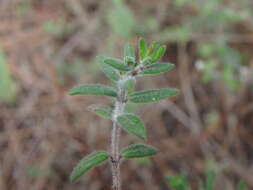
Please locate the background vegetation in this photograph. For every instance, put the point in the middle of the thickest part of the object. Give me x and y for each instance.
(204, 135)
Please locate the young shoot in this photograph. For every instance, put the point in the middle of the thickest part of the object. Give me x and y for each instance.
(124, 74)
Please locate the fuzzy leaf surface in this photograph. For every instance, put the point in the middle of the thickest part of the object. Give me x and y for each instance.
(132, 124)
(157, 68)
(116, 64)
(88, 163)
(138, 151)
(93, 89)
(147, 96)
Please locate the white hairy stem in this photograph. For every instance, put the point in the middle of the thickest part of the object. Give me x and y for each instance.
(115, 141)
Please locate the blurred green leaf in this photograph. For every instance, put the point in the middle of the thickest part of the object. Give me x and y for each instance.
(121, 20)
(147, 96)
(88, 163)
(157, 68)
(132, 124)
(93, 89)
(178, 183)
(138, 151)
(8, 89)
(103, 112)
(55, 28)
(242, 186)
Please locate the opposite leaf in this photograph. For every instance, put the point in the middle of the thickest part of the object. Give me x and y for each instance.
(152, 95)
(93, 89)
(157, 68)
(87, 163)
(138, 151)
(132, 124)
(116, 64)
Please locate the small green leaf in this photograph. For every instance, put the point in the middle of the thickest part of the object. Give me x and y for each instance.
(142, 49)
(138, 151)
(153, 48)
(103, 112)
(152, 95)
(132, 124)
(157, 68)
(110, 72)
(93, 89)
(129, 54)
(178, 183)
(241, 185)
(116, 64)
(88, 163)
(158, 53)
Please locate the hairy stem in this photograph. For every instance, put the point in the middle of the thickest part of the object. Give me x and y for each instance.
(115, 145)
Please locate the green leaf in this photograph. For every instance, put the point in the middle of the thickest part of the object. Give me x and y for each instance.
(138, 151)
(129, 54)
(103, 112)
(93, 89)
(178, 183)
(110, 72)
(132, 124)
(116, 64)
(142, 49)
(8, 87)
(158, 53)
(153, 48)
(241, 185)
(152, 95)
(88, 163)
(157, 68)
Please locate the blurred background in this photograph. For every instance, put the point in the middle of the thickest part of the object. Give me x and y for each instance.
(206, 133)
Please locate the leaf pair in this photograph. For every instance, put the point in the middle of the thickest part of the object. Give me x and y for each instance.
(96, 158)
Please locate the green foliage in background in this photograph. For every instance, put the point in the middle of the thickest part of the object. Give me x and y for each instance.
(121, 19)
(8, 88)
(210, 24)
(181, 182)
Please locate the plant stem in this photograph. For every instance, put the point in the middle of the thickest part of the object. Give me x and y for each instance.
(115, 162)
(115, 142)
